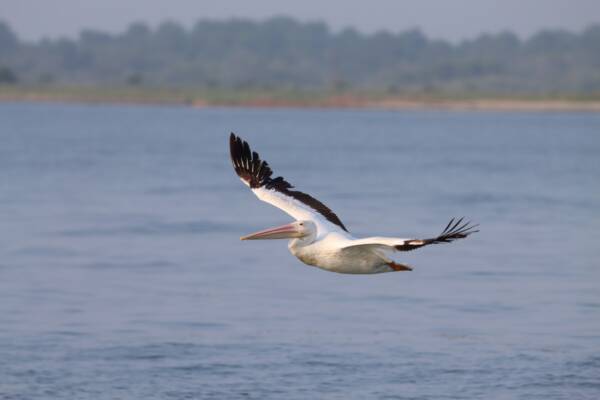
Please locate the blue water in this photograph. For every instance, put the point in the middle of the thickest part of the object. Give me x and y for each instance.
(122, 275)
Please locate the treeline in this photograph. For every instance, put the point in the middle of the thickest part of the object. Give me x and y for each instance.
(284, 53)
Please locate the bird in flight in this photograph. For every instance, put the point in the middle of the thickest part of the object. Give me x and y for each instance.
(318, 237)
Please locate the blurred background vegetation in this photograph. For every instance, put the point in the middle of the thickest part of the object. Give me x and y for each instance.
(282, 54)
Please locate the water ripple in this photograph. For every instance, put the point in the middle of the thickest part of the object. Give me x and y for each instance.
(151, 228)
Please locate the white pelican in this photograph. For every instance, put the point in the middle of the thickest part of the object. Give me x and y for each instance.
(318, 237)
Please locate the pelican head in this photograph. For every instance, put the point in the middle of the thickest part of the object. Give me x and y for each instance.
(295, 230)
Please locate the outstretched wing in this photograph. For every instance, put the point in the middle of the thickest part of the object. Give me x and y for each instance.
(456, 229)
(277, 191)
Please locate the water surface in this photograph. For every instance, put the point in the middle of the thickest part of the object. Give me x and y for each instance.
(122, 274)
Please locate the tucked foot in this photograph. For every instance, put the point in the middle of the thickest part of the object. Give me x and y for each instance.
(399, 267)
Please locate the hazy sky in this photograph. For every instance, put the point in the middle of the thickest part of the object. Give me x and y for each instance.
(449, 19)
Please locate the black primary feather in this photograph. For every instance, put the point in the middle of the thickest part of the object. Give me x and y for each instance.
(257, 173)
(454, 230)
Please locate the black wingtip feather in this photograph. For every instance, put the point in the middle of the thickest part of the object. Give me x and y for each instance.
(455, 229)
(257, 173)
(458, 230)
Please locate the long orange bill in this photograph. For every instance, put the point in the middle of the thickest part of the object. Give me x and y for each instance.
(287, 231)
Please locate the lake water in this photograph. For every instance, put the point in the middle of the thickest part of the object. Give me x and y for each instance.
(123, 277)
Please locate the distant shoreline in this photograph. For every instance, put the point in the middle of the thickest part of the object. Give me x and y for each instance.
(293, 99)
